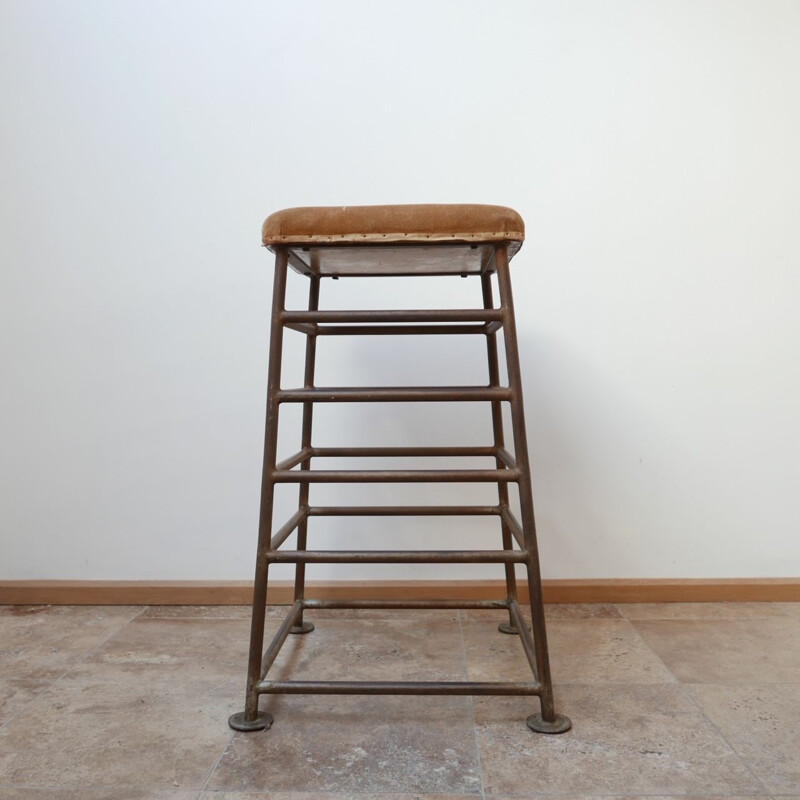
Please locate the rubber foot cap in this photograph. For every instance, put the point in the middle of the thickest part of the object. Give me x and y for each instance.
(260, 723)
(560, 724)
(306, 627)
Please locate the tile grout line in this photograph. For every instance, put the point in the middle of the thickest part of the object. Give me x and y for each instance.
(470, 704)
(683, 690)
(72, 666)
(213, 768)
(724, 738)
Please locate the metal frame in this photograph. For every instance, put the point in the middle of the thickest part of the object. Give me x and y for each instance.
(298, 469)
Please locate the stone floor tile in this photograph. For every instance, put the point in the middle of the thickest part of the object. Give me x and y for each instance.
(375, 649)
(204, 612)
(279, 612)
(625, 741)
(581, 611)
(148, 706)
(16, 693)
(762, 723)
(792, 609)
(715, 611)
(94, 793)
(104, 730)
(44, 641)
(356, 744)
(727, 651)
(551, 610)
(179, 648)
(581, 651)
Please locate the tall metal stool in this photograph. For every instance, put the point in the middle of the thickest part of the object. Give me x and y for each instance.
(455, 240)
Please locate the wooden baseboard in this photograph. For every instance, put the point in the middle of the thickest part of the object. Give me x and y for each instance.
(659, 590)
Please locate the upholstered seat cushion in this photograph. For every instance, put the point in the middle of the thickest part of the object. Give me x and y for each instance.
(392, 224)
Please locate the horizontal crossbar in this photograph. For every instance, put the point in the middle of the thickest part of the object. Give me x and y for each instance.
(401, 604)
(398, 452)
(397, 315)
(393, 330)
(388, 394)
(402, 511)
(397, 687)
(397, 476)
(395, 556)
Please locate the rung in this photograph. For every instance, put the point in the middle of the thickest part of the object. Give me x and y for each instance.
(402, 511)
(525, 635)
(288, 529)
(513, 525)
(506, 458)
(415, 315)
(295, 459)
(393, 452)
(399, 687)
(401, 604)
(393, 330)
(388, 394)
(396, 476)
(280, 637)
(394, 556)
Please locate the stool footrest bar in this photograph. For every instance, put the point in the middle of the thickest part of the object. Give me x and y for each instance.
(392, 330)
(399, 687)
(295, 459)
(395, 556)
(280, 637)
(401, 604)
(394, 394)
(402, 511)
(513, 526)
(396, 476)
(288, 529)
(506, 458)
(525, 636)
(397, 315)
(401, 452)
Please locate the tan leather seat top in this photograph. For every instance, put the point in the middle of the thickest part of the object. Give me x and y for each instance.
(390, 224)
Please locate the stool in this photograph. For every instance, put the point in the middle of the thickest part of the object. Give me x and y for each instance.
(455, 240)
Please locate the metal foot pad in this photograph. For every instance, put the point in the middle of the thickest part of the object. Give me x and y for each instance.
(305, 627)
(560, 724)
(260, 723)
(507, 627)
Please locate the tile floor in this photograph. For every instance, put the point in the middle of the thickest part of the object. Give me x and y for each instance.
(124, 703)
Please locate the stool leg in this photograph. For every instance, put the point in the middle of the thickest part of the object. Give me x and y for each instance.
(499, 441)
(548, 721)
(302, 626)
(252, 719)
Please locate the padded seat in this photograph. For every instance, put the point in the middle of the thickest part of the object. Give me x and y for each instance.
(328, 240)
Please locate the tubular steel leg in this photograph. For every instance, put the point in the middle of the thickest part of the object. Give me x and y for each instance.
(548, 721)
(252, 719)
(499, 441)
(302, 626)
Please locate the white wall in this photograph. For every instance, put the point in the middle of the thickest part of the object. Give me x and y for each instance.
(652, 148)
